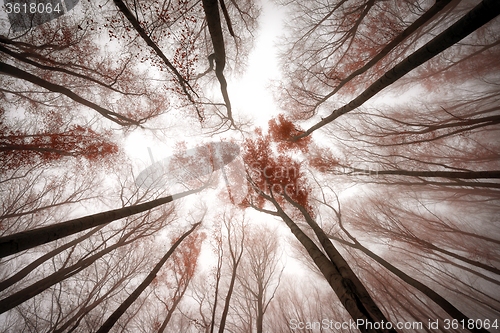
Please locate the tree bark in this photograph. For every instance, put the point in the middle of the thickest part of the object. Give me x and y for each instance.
(340, 285)
(147, 281)
(477, 17)
(27, 239)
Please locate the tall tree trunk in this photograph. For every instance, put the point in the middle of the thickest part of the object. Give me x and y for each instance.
(340, 285)
(211, 9)
(260, 308)
(350, 278)
(37, 262)
(477, 17)
(438, 299)
(27, 239)
(236, 258)
(435, 9)
(432, 174)
(216, 293)
(25, 294)
(147, 281)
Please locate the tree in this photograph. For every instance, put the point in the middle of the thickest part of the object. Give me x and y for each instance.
(108, 324)
(259, 276)
(235, 241)
(18, 242)
(271, 184)
(183, 266)
(477, 17)
(354, 243)
(387, 215)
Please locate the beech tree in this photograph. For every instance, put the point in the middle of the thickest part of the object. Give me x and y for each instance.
(259, 278)
(370, 199)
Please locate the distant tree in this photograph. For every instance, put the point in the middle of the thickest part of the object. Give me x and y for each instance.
(271, 184)
(259, 276)
(108, 324)
(235, 240)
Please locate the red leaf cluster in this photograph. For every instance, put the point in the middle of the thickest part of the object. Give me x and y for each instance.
(273, 173)
(282, 131)
(18, 149)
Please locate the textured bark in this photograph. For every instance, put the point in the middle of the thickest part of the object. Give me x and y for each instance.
(339, 284)
(434, 10)
(25, 240)
(147, 281)
(438, 299)
(477, 17)
(20, 74)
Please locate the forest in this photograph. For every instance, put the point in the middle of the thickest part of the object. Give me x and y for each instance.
(249, 166)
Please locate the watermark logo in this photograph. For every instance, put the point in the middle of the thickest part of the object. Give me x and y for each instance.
(193, 165)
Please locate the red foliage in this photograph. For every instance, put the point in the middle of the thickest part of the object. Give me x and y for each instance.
(273, 173)
(183, 262)
(323, 160)
(17, 148)
(282, 132)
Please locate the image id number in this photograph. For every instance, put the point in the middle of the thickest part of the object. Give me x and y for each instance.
(32, 8)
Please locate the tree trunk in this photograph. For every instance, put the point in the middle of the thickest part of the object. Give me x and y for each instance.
(435, 9)
(477, 17)
(171, 311)
(236, 262)
(211, 9)
(340, 285)
(147, 281)
(25, 294)
(27, 239)
(37, 262)
(260, 308)
(438, 299)
(351, 280)
(432, 174)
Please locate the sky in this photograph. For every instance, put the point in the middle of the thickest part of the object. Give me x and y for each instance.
(250, 93)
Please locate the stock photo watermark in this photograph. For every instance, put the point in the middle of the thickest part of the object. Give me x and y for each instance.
(447, 324)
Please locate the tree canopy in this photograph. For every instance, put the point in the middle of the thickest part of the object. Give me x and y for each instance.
(142, 190)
